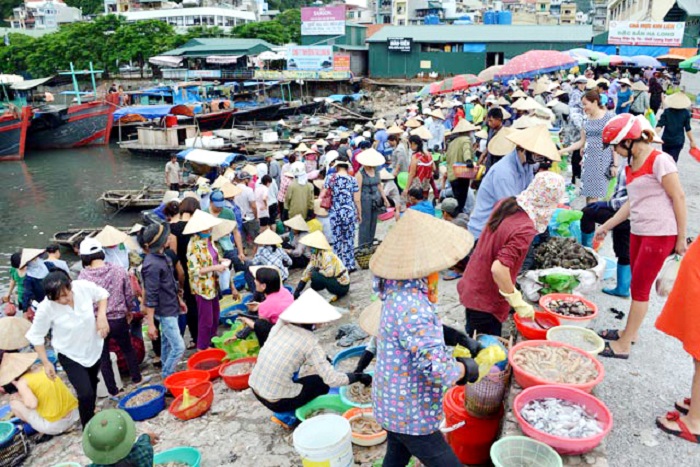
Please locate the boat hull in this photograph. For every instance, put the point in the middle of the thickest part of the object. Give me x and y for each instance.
(77, 126)
(287, 111)
(13, 134)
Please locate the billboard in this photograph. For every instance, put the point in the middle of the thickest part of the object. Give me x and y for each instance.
(341, 62)
(310, 58)
(646, 33)
(323, 21)
(399, 44)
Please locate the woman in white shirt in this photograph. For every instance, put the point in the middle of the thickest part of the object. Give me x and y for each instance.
(77, 334)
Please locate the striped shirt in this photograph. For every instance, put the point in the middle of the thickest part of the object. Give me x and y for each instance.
(286, 350)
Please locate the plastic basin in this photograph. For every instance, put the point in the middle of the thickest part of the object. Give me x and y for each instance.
(237, 382)
(344, 396)
(230, 313)
(208, 355)
(359, 438)
(569, 320)
(328, 401)
(176, 382)
(184, 454)
(67, 464)
(7, 431)
(348, 353)
(554, 335)
(521, 450)
(388, 215)
(529, 328)
(239, 280)
(567, 446)
(204, 392)
(144, 411)
(526, 380)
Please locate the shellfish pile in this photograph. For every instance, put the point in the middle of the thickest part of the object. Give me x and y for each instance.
(565, 253)
(556, 364)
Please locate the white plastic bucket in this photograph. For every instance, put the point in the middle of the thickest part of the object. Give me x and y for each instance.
(324, 441)
(101, 387)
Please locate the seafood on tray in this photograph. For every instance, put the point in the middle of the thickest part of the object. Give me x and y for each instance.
(359, 393)
(365, 425)
(556, 364)
(574, 308)
(560, 417)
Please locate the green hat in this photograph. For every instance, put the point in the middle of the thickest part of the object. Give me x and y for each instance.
(109, 436)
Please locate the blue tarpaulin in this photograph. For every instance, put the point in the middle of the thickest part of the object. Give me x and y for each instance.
(146, 111)
(631, 50)
(340, 97)
(606, 49)
(474, 48)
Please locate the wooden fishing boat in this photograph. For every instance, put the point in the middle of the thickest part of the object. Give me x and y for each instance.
(74, 126)
(71, 238)
(299, 108)
(145, 198)
(13, 133)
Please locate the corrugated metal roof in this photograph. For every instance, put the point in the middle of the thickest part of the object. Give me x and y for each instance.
(350, 47)
(484, 33)
(692, 7)
(218, 46)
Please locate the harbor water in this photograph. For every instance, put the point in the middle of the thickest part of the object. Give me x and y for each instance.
(58, 190)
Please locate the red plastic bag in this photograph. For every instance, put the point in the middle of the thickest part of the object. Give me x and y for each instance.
(695, 152)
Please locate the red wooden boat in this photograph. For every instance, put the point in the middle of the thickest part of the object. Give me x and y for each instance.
(13, 133)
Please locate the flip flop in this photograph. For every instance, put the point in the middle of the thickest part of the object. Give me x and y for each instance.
(610, 353)
(451, 275)
(611, 335)
(683, 433)
(682, 409)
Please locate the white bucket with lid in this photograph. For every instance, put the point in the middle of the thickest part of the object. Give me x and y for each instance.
(324, 441)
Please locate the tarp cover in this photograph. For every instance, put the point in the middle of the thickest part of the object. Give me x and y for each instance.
(205, 157)
(223, 59)
(166, 60)
(146, 111)
(29, 84)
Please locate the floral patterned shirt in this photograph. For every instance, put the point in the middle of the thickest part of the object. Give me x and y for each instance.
(414, 367)
(198, 257)
(328, 264)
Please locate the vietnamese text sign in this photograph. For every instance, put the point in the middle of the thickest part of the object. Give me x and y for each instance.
(646, 33)
(310, 58)
(341, 62)
(287, 74)
(399, 44)
(323, 21)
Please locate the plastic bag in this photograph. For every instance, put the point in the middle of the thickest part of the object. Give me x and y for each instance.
(558, 283)
(237, 348)
(651, 117)
(225, 282)
(489, 357)
(565, 223)
(667, 277)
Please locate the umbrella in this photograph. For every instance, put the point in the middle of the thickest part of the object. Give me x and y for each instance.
(614, 60)
(671, 58)
(689, 64)
(535, 62)
(456, 83)
(646, 61)
(425, 90)
(488, 73)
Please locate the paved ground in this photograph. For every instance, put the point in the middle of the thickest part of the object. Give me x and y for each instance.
(237, 431)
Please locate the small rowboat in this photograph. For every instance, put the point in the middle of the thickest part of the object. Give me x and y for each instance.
(145, 198)
(72, 237)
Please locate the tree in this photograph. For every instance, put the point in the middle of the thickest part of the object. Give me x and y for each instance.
(143, 39)
(89, 7)
(270, 31)
(291, 21)
(13, 57)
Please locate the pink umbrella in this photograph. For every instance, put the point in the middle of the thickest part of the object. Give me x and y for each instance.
(535, 62)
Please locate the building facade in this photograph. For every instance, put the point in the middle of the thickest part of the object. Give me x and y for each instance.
(44, 14)
(183, 18)
(638, 10)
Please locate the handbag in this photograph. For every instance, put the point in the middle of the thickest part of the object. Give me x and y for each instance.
(327, 195)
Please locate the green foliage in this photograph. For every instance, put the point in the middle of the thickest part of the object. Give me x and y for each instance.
(283, 5)
(286, 27)
(291, 20)
(89, 7)
(106, 42)
(6, 7)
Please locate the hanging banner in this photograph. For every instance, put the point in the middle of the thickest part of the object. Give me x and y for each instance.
(399, 44)
(310, 58)
(646, 33)
(323, 21)
(341, 62)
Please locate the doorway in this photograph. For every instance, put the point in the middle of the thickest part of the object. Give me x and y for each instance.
(494, 58)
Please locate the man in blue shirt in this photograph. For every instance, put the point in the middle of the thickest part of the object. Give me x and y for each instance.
(524, 151)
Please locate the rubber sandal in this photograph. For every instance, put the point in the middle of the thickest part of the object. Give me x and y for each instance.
(683, 433)
(451, 275)
(682, 409)
(611, 335)
(610, 353)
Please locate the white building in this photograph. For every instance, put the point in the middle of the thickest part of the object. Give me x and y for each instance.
(183, 18)
(43, 14)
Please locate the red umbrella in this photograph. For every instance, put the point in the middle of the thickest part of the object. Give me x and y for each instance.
(535, 62)
(456, 83)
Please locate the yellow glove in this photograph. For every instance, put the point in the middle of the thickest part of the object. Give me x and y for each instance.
(521, 307)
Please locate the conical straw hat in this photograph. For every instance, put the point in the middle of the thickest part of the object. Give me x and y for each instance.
(412, 123)
(202, 181)
(528, 121)
(537, 140)
(370, 317)
(370, 158)
(250, 170)
(518, 94)
(394, 130)
(200, 221)
(527, 103)
(499, 144)
(14, 365)
(677, 100)
(437, 113)
(316, 240)
(380, 125)
(506, 114)
(230, 190)
(502, 101)
(318, 210)
(422, 132)
(540, 88)
(310, 308)
(220, 181)
(483, 134)
(386, 175)
(297, 223)
(268, 237)
(12, 332)
(302, 148)
(29, 254)
(224, 228)
(419, 245)
(463, 126)
(111, 236)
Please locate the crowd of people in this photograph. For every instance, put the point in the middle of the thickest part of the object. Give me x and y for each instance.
(484, 159)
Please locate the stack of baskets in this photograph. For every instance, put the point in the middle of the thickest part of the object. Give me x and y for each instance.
(14, 447)
(363, 253)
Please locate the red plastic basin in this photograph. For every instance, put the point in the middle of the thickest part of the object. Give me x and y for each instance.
(531, 330)
(208, 360)
(237, 382)
(184, 379)
(204, 392)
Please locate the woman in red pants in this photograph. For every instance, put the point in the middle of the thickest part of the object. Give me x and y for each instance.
(657, 213)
